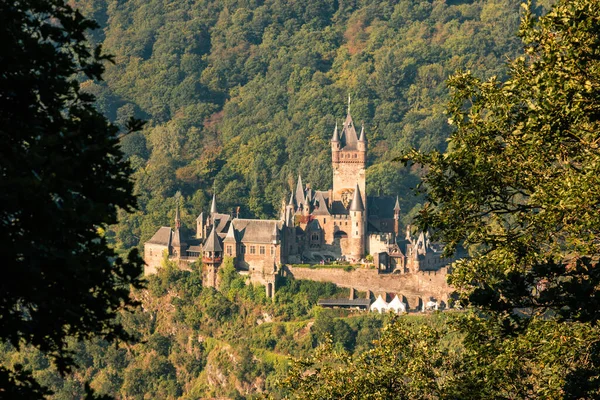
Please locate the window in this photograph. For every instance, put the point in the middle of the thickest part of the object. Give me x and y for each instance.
(229, 252)
(314, 236)
(357, 224)
(272, 250)
(252, 249)
(261, 250)
(356, 233)
(324, 221)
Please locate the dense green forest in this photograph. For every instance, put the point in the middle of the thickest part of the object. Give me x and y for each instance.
(197, 342)
(242, 96)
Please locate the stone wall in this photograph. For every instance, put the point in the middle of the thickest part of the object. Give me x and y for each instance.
(415, 287)
(153, 256)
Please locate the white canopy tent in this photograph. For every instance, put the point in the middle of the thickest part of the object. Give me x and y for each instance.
(396, 305)
(380, 305)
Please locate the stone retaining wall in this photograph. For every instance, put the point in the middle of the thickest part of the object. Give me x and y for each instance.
(415, 287)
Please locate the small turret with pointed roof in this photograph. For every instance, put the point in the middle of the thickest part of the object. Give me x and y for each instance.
(213, 243)
(357, 203)
(336, 135)
(363, 137)
(300, 199)
(361, 145)
(397, 217)
(230, 237)
(397, 209)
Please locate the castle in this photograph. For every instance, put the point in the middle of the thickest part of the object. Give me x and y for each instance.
(342, 223)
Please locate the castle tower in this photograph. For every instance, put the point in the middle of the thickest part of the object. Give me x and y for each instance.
(358, 220)
(349, 161)
(178, 245)
(212, 257)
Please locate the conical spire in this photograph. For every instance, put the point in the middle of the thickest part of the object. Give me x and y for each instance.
(336, 135)
(230, 237)
(357, 203)
(213, 206)
(397, 206)
(213, 243)
(300, 191)
(363, 137)
(177, 219)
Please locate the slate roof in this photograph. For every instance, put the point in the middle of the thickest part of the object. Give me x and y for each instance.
(357, 203)
(162, 236)
(337, 208)
(220, 221)
(255, 230)
(361, 303)
(176, 239)
(349, 138)
(321, 203)
(213, 243)
(381, 206)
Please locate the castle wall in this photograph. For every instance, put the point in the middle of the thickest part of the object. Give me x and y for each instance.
(257, 261)
(414, 287)
(377, 243)
(153, 256)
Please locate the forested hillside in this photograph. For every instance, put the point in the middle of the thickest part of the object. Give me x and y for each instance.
(198, 343)
(241, 96)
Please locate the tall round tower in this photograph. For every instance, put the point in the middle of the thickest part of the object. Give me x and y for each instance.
(358, 220)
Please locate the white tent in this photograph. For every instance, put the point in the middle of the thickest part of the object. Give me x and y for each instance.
(396, 305)
(380, 305)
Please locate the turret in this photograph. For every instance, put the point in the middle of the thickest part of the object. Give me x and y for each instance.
(397, 217)
(336, 144)
(178, 245)
(230, 242)
(358, 220)
(212, 257)
(300, 199)
(361, 145)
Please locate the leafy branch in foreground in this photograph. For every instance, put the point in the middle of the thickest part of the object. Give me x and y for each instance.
(406, 363)
(519, 186)
(62, 177)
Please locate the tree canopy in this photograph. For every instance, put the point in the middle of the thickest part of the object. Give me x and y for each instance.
(519, 186)
(62, 178)
(242, 96)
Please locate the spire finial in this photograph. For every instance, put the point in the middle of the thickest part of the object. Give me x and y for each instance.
(177, 219)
